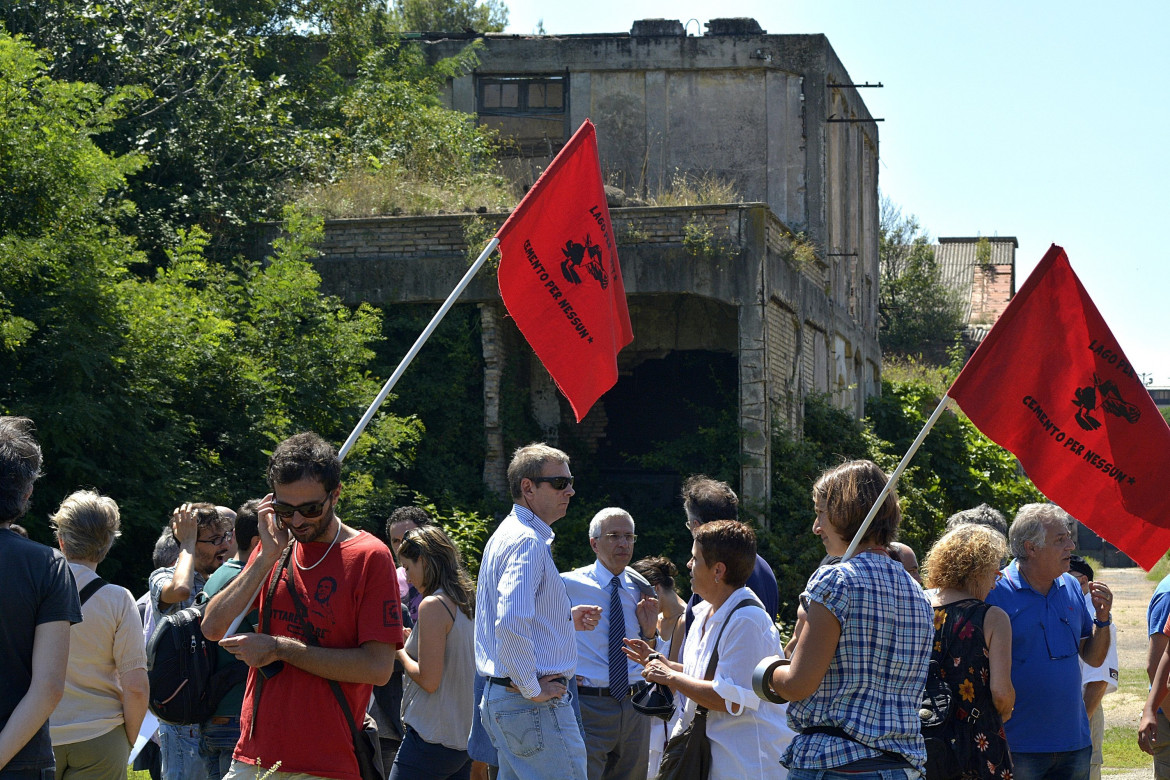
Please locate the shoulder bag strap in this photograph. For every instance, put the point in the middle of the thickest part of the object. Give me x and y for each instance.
(265, 621)
(310, 638)
(93, 587)
(710, 675)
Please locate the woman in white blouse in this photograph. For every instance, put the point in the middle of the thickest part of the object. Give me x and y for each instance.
(106, 687)
(747, 735)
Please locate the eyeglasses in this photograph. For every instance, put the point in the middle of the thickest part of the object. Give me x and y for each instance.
(558, 483)
(226, 536)
(616, 537)
(307, 511)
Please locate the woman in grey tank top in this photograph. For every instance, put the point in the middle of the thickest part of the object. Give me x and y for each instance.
(438, 659)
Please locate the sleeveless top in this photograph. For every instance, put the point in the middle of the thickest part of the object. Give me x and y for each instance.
(961, 652)
(444, 717)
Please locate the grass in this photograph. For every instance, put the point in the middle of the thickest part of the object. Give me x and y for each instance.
(689, 190)
(137, 774)
(392, 191)
(1120, 749)
(1160, 570)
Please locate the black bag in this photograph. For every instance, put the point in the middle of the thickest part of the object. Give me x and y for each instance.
(936, 714)
(186, 684)
(655, 700)
(687, 756)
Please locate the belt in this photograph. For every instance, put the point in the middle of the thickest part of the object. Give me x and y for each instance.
(588, 690)
(506, 682)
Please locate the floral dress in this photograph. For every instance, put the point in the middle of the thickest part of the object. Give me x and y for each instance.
(961, 652)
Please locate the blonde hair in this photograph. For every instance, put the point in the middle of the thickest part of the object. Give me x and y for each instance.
(961, 556)
(86, 525)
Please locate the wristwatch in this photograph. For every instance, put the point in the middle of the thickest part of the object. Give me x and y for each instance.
(650, 638)
(1103, 623)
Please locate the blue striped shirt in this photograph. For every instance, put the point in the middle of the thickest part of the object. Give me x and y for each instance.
(523, 619)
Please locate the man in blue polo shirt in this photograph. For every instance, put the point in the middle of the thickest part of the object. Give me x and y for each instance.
(1051, 626)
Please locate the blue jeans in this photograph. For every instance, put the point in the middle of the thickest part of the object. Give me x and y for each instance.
(533, 741)
(418, 759)
(217, 742)
(873, 774)
(180, 753)
(1068, 765)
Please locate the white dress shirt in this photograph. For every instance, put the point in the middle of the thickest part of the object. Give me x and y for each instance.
(748, 740)
(523, 621)
(590, 585)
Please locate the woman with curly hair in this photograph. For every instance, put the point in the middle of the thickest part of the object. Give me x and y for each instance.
(973, 649)
(438, 659)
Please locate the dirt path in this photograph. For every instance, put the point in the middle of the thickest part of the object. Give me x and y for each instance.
(1123, 708)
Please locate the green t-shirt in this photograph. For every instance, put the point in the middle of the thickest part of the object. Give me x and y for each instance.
(233, 700)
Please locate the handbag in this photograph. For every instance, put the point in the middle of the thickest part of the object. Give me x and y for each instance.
(655, 700)
(687, 755)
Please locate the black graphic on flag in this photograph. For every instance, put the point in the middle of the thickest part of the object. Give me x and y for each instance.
(575, 256)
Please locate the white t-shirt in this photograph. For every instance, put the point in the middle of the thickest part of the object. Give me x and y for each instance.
(1107, 671)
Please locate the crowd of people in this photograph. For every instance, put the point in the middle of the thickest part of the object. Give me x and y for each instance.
(530, 672)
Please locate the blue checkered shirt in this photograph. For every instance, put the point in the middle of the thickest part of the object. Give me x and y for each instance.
(874, 684)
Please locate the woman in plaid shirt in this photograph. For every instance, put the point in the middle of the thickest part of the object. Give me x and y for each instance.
(859, 663)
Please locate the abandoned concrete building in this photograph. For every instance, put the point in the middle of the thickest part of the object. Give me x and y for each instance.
(761, 301)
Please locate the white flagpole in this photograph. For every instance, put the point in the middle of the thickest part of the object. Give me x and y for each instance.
(393, 380)
(422, 339)
(893, 480)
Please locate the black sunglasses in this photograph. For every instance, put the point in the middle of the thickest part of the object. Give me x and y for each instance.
(558, 483)
(307, 511)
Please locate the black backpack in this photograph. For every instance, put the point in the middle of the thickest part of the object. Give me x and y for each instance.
(185, 684)
(936, 711)
(937, 714)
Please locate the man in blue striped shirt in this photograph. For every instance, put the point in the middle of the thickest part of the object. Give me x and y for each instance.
(524, 642)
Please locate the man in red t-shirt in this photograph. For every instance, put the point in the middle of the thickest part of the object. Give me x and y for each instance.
(342, 623)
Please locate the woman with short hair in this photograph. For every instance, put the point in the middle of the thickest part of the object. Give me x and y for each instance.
(859, 663)
(106, 688)
(438, 659)
(747, 734)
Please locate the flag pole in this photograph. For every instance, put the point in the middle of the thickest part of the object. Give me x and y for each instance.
(893, 480)
(422, 339)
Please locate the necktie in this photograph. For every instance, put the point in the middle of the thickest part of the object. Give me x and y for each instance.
(619, 679)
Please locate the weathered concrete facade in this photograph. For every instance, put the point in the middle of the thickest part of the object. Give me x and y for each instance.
(775, 115)
(742, 293)
(782, 288)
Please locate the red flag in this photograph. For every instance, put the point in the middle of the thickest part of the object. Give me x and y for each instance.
(1051, 384)
(559, 274)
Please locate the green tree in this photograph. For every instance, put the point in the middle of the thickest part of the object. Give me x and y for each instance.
(241, 103)
(956, 468)
(451, 15)
(176, 385)
(917, 313)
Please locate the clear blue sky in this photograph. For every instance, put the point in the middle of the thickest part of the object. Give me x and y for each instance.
(1040, 120)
